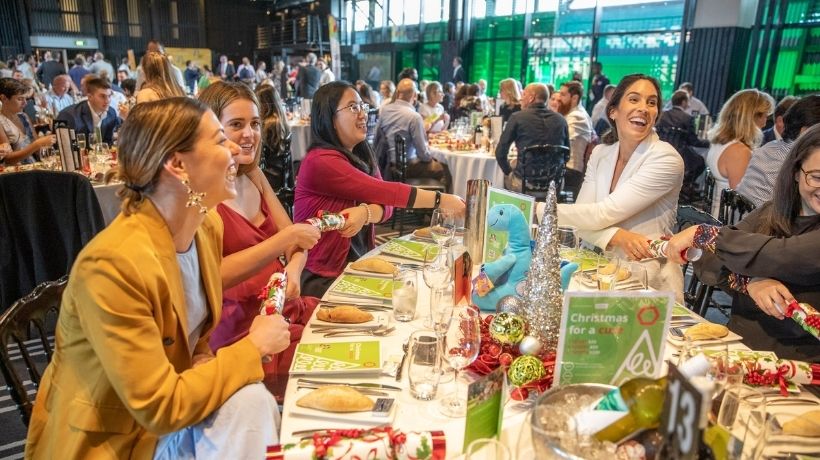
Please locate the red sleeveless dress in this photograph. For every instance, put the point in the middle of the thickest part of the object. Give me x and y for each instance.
(240, 304)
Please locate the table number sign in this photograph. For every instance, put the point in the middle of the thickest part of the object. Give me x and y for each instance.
(681, 416)
(612, 337)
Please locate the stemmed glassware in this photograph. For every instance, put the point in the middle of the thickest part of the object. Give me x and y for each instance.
(442, 226)
(438, 274)
(462, 341)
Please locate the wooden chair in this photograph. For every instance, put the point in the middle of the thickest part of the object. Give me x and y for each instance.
(400, 175)
(538, 165)
(697, 295)
(733, 206)
(26, 322)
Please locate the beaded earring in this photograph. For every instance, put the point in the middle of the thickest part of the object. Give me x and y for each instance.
(194, 198)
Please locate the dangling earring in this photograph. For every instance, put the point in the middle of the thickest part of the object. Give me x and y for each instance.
(194, 198)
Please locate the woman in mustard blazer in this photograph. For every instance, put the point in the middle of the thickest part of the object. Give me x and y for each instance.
(132, 374)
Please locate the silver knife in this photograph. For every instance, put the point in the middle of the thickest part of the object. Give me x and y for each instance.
(377, 386)
(365, 391)
(401, 363)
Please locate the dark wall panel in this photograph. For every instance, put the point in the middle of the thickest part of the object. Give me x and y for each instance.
(12, 29)
(231, 27)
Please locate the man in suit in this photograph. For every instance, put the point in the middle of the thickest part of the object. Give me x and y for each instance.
(677, 127)
(459, 75)
(86, 116)
(49, 69)
(225, 69)
(308, 78)
(534, 124)
(776, 131)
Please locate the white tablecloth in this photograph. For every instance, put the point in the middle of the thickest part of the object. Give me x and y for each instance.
(299, 140)
(469, 165)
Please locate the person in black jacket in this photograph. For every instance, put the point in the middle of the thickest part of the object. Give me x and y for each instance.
(85, 116)
(534, 124)
(677, 127)
(308, 78)
(49, 69)
(769, 258)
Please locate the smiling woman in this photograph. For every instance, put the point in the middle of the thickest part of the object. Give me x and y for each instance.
(630, 191)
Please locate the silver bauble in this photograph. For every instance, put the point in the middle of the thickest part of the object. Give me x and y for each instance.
(530, 345)
(510, 303)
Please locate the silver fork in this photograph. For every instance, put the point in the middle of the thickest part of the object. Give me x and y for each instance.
(364, 333)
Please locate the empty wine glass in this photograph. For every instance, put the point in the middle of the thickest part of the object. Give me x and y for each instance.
(442, 226)
(461, 344)
(437, 273)
(608, 270)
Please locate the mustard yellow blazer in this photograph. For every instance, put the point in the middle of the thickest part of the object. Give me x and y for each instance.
(121, 374)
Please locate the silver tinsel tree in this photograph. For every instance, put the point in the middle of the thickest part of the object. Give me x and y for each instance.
(543, 299)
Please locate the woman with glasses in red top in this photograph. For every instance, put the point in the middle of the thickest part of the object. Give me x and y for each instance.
(339, 174)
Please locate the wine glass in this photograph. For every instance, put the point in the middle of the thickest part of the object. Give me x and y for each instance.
(607, 271)
(461, 343)
(567, 242)
(437, 273)
(442, 226)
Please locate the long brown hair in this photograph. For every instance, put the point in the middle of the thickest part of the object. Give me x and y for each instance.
(611, 136)
(275, 128)
(159, 75)
(218, 96)
(151, 133)
(786, 200)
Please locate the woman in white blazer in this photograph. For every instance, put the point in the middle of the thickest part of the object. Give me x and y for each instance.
(630, 190)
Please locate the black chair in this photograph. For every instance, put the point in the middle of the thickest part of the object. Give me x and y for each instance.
(27, 325)
(399, 174)
(538, 165)
(709, 191)
(697, 295)
(372, 120)
(279, 171)
(733, 206)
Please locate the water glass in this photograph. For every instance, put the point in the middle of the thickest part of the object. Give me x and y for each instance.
(638, 278)
(567, 242)
(405, 294)
(607, 272)
(442, 226)
(423, 367)
(743, 413)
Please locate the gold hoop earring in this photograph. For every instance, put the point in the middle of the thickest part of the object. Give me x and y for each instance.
(194, 198)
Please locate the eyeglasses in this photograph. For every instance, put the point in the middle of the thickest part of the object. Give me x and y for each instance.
(356, 108)
(812, 178)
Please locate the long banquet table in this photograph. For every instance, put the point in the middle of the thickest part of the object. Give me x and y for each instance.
(472, 164)
(415, 415)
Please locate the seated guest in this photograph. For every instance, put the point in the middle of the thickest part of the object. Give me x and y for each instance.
(696, 106)
(435, 118)
(16, 127)
(58, 98)
(366, 93)
(630, 190)
(132, 374)
(386, 90)
(466, 102)
(509, 93)
(401, 118)
(95, 112)
(578, 121)
(759, 181)
(677, 127)
(160, 80)
(277, 167)
(257, 233)
(598, 116)
(733, 137)
(554, 102)
(776, 131)
(449, 97)
(534, 124)
(339, 174)
(758, 258)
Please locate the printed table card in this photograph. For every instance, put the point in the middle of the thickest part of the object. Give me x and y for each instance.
(612, 337)
(364, 286)
(336, 357)
(485, 407)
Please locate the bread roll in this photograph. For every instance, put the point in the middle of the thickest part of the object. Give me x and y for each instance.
(374, 265)
(347, 314)
(706, 331)
(423, 233)
(336, 398)
(807, 424)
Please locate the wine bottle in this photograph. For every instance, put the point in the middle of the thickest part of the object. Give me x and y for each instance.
(642, 399)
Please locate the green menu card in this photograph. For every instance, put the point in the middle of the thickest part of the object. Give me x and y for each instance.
(364, 286)
(485, 407)
(612, 337)
(413, 250)
(337, 357)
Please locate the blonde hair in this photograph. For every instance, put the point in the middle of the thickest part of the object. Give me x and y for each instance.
(736, 120)
(159, 75)
(509, 87)
(152, 132)
(218, 96)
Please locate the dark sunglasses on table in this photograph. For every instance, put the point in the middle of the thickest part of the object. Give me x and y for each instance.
(356, 108)
(812, 177)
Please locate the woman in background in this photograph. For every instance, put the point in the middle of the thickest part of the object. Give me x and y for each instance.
(160, 82)
(509, 93)
(16, 127)
(435, 118)
(275, 133)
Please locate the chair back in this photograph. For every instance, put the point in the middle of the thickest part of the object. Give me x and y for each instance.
(674, 136)
(372, 120)
(709, 191)
(538, 165)
(27, 326)
(733, 206)
(690, 215)
(697, 295)
(400, 173)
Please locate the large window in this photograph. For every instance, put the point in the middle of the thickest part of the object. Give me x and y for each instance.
(655, 54)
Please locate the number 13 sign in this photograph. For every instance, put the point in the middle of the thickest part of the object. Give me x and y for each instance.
(680, 419)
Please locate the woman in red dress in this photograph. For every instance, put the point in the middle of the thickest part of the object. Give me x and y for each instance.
(258, 234)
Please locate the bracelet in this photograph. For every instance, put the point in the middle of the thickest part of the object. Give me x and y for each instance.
(438, 200)
(369, 215)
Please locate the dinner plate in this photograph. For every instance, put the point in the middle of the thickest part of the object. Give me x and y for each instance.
(679, 341)
(353, 271)
(355, 419)
(380, 319)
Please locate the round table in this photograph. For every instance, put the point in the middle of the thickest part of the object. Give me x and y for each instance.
(299, 140)
(469, 165)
